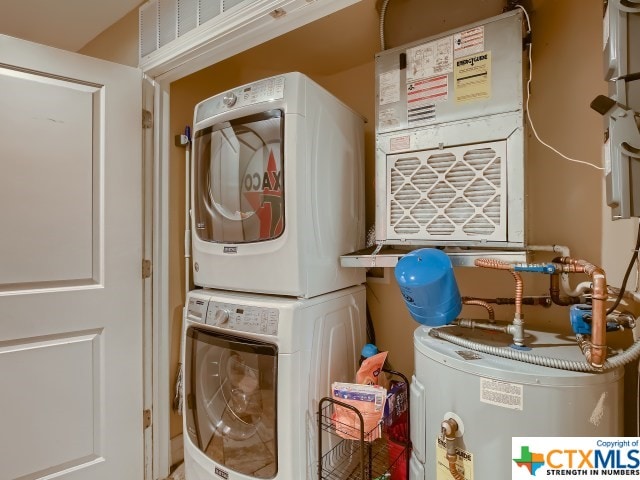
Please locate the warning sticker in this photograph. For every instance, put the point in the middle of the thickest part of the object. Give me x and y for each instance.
(472, 77)
(399, 143)
(468, 42)
(464, 463)
(430, 59)
(422, 96)
(389, 87)
(501, 394)
(388, 119)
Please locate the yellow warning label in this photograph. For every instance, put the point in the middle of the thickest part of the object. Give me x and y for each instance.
(472, 77)
(464, 463)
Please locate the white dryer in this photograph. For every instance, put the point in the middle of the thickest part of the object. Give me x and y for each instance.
(277, 189)
(256, 367)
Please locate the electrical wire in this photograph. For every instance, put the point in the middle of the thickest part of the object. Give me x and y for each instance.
(533, 128)
(634, 257)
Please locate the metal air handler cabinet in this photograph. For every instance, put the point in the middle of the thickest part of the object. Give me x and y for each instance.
(450, 138)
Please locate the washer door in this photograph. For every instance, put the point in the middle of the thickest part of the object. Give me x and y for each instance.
(230, 386)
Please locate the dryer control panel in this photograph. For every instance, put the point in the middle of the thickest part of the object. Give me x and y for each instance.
(265, 90)
(242, 318)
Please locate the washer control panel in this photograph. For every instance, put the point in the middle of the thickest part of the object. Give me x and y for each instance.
(197, 309)
(243, 318)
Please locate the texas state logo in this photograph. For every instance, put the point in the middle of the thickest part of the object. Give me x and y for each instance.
(530, 460)
(575, 457)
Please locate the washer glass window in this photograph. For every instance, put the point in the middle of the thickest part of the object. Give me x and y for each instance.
(230, 387)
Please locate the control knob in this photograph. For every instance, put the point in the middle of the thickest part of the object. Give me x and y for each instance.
(230, 99)
(220, 317)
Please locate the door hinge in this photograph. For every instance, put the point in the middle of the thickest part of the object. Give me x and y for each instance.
(146, 419)
(147, 119)
(146, 268)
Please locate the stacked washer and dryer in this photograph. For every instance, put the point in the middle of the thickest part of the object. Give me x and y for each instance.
(277, 195)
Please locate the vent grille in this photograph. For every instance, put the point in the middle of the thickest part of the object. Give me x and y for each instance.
(187, 16)
(163, 21)
(167, 16)
(451, 194)
(148, 28)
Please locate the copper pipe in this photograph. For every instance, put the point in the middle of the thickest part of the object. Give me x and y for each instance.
(554, 292)
(449, 427)
(500, 265)
(481, 303)
(597, 350)
(544, 301)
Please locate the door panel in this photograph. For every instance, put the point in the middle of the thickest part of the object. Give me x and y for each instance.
(58, 374)
(52, 186)
(70, 266)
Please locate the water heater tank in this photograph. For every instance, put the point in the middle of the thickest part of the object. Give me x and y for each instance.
(494, 399)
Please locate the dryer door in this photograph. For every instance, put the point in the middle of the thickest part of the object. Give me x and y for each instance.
(238, 181)
(230, 386)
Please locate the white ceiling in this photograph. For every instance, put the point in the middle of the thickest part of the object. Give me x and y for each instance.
(66, 24)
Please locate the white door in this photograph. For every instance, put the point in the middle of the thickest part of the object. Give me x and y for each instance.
(70, 266)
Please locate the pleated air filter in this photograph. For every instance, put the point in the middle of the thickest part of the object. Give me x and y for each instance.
(451, 194)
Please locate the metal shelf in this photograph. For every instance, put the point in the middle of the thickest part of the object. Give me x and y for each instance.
(389, 255)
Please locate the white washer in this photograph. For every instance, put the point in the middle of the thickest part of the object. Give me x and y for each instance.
(256, 367)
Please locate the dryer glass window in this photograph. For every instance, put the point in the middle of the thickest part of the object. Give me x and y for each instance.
(230, 386)
(239, 179)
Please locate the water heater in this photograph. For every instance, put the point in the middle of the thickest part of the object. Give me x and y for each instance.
(493, 399)
(450, 138)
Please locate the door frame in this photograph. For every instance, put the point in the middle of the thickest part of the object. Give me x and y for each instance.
(205, 50)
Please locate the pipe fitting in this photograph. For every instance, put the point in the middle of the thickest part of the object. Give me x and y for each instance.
(516, 330)
(554, 293)
(449, 428)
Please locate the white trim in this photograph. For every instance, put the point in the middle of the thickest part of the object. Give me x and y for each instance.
(161, 318)
(148, 95)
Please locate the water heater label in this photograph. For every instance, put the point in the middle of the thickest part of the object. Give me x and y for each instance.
(501, 394)
(464, 462)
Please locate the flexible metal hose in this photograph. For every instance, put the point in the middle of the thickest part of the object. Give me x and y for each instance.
(630, 354)
(383, 11)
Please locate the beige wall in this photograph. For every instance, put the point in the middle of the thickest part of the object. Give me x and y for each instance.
(564, 199)
(119, 43)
